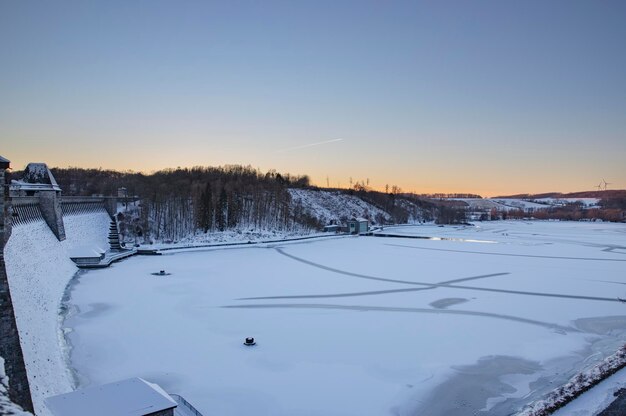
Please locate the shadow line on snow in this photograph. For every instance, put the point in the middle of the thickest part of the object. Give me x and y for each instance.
(447, 285)
(361, 308)
(505, 254)
(373, 292)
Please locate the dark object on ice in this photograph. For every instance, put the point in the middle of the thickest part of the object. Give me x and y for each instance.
(249, 342)
(161, 273)
(621, 300)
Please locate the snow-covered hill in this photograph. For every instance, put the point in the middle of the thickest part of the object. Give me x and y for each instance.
(339, 206)
(335, 206)
(526, 205)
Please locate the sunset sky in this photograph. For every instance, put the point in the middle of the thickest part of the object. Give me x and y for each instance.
(489, 97)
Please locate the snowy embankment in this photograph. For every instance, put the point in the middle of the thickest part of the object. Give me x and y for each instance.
(239, 235)
(578, 385)
(329, 206)
(39, 269)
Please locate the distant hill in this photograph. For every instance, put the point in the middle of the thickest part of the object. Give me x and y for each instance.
(611, 193)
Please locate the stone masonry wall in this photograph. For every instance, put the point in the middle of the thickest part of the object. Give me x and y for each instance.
(50, 205)
(10, 348)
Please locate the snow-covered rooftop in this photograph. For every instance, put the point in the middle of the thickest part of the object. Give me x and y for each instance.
(131, 397)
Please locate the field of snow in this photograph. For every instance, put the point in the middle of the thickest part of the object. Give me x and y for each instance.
(440, 321)
(522, 204)
(508, 204)
(586, 202)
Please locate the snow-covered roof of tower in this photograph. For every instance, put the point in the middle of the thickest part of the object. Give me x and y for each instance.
(36, 177)
(4, 163)
(131, 397)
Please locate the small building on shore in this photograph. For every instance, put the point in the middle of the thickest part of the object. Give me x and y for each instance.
(358, 226)
(332, 228)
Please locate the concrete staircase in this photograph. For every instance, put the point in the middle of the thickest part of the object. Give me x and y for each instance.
(114, 236)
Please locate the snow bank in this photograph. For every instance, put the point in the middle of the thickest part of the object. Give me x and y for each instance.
(238, 235)
(39, 269)
(579, 384)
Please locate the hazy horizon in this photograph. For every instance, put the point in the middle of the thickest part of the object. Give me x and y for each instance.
(485, 97)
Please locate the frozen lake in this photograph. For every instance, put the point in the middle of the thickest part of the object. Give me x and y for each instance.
(481, 321)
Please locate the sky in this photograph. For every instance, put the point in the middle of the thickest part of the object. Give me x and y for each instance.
(489, 97)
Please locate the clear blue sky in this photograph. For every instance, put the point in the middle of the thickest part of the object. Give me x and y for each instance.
(473, 96)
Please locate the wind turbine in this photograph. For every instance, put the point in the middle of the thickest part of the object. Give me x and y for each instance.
(599, 186)
(605, 183)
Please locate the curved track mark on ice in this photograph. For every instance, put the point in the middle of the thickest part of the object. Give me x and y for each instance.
(373, 292)
(506, 254)
(361, 308)
(445, 285)
(362, 276)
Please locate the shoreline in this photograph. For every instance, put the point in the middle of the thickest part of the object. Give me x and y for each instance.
(66, 312)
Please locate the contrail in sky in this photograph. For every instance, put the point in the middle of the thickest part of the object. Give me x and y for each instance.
(308, 145)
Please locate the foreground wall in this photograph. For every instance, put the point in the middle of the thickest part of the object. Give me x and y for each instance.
(39, 268)
(11, 359)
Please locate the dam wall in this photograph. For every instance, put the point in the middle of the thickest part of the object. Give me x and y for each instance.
(39, 269)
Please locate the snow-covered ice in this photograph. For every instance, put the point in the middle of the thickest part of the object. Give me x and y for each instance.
(361, 325)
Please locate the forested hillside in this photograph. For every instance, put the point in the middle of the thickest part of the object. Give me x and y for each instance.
(176, 203)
